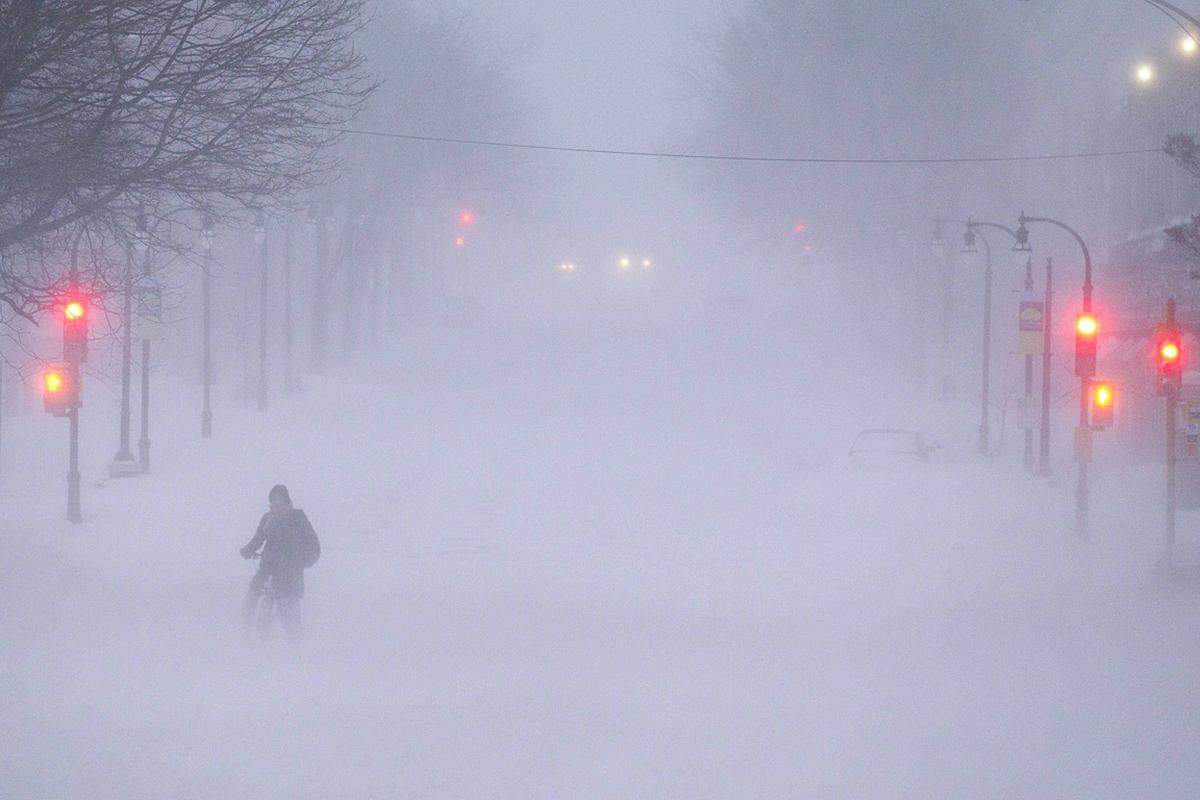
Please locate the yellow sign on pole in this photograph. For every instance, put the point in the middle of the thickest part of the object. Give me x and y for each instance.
(1032, 319)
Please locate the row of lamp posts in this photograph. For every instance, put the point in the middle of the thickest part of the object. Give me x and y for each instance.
(1020, 237)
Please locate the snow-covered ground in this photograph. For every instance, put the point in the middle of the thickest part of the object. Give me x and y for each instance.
(566, 566)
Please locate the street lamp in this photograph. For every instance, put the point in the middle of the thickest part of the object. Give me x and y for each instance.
(260, 236)
(206, 236)
(1144, 73)
(1082, 455)
(1188, 45)
(123, 463)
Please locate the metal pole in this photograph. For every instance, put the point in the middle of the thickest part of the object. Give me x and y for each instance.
(263, 298)
(984, 392)
(1171, 395)
(124, 454)
(947, 313)
(319, 300)
(1082, 457)
(206, 361)
(1047, 319)
(1029, 377)
(350, 269)
(73, 511)
(1169, 544)
(144, 442)
(288, 383)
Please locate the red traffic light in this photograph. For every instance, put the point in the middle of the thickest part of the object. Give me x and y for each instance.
(1102, 395)
(1086, 328)
(1169, 353)
(466, 217)
(1086, 325)
(75, 329)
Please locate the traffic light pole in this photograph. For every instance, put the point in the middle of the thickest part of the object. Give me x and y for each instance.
(1171, 395)
(1169, 543)
(74, 514)
(1083, 453)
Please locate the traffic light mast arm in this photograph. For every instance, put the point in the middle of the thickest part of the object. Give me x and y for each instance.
(1087, 256)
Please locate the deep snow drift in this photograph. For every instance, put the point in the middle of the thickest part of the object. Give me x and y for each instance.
(564, 565)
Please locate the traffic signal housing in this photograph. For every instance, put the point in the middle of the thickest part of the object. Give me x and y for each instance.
(60, 389)
(1087, 329)
(75, 330)
(1103, 398)
(1169, 354)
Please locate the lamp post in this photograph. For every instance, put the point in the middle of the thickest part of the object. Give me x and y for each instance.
(972, 226)
(148, 298)
(969, 237)
(260, 236)
(1083, 432)
(985, 384)
(947, 382)
(123, 463)
(322, 213)
(206, 236)
(289, 383)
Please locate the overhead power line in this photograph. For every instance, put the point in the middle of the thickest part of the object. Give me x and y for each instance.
(747, 158)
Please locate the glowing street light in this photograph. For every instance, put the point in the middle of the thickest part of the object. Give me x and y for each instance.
(1145, 72)
(623, 262)
(646, 263)
(1188, 45)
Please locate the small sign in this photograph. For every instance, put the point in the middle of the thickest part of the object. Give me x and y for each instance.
(1032, 320)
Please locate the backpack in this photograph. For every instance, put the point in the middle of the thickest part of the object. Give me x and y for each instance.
(308, 547)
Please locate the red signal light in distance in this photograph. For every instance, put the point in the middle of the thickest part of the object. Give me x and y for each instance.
(73, 310)
(1168, 351)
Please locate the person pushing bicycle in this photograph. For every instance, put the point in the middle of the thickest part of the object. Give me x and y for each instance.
(289, 546)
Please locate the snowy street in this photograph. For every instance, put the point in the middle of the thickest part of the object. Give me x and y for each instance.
(545, 582)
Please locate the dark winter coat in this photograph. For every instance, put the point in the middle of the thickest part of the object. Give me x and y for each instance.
(279, 538)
